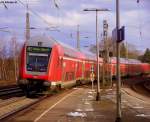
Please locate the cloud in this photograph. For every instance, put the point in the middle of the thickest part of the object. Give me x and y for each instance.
(83, 6)
(71, 13)
(69, 19)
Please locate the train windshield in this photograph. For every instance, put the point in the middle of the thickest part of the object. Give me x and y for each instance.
(38, 58)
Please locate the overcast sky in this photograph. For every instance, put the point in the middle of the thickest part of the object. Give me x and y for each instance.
(43, 14)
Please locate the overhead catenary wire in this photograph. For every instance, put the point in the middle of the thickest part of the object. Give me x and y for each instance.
(46, 22)
(57, 28)
(36, 14)
(39, 16)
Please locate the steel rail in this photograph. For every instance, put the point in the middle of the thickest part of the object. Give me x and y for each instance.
(8, 91)
(9, 114)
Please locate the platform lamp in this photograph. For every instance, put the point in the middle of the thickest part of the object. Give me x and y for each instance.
(97, 49)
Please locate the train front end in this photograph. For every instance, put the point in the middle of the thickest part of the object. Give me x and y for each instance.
(35, 59)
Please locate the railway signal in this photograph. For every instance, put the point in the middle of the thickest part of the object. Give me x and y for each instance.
(92, 77)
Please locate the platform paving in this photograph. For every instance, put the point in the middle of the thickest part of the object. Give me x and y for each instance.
(80, 106)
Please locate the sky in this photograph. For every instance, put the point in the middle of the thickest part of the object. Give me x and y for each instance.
(61, 23)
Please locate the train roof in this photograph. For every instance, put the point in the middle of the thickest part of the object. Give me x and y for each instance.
(88, 55)
(71, 52)
(126, 61)
(47, 41)
(42, 40)
(50, 42)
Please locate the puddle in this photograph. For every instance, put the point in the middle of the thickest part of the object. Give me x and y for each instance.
(77, 114)
(142, 115)
(90, 92)
(90, 96)
(79, 110)
(108, 90)
(138, 107)
(99, 116)
(123, 106)
(87, 103)
(90, 109)
(124, 101)
(76, 88)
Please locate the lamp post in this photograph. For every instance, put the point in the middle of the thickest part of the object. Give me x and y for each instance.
(118, 90)
(97, 50)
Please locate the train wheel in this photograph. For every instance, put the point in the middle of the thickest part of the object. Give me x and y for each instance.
(78, 83)
(28, 91)
(57, 88)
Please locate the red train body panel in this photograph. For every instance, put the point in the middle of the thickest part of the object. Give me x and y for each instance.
(43, 60)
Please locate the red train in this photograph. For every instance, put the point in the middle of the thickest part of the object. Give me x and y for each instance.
(46, 62)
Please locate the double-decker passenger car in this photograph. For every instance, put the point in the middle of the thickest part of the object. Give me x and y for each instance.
(46, 62)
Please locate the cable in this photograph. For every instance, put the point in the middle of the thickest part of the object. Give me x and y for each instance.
(43, 18)
(35, 13)
(139, 17)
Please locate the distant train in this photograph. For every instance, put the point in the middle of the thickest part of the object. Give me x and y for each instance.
(46, 62)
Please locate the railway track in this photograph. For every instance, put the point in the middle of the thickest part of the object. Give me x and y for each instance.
(22, 103)
(142, 88)
(139, 84)
(147, 85)
(12, 100)
(18, 105)
(14, 105)
(10, 91)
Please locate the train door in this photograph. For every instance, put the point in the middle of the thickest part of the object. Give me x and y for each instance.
(76, 68)
(83, 69)
(63, 71)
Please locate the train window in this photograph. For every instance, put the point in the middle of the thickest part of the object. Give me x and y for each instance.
(37, 59)
(39, 43)
(69, 76)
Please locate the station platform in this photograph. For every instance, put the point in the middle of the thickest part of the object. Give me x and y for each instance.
(79, 105)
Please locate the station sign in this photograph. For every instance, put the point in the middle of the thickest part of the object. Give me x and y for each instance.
(121, 33)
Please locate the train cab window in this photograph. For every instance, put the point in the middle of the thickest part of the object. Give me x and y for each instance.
(37, 59)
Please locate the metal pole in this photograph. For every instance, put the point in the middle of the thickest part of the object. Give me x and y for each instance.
(110, 72)
(92, 85)
(127, 58)
(27, 25)
(118, 91)
(78, 38)
(106, 53)
(97, 49)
